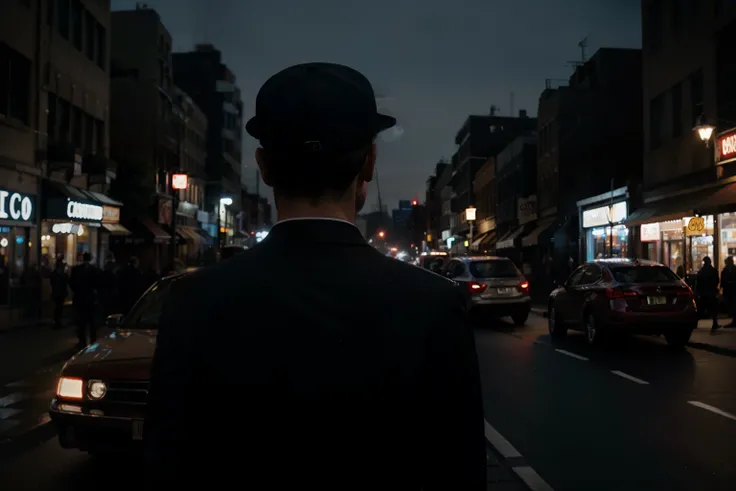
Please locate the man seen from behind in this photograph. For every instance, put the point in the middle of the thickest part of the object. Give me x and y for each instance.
(312, 361)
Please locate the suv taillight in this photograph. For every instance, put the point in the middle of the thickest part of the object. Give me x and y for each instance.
(614, 293)
(475, 287)
(524, 286)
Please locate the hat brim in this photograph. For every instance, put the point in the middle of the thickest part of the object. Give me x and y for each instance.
(384, 123)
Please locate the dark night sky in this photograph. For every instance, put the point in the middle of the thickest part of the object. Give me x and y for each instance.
(436, 61)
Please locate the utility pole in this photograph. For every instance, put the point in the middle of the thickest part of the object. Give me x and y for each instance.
(610, 221)
(174, 192)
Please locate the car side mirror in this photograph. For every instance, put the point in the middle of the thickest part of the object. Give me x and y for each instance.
(114, 320)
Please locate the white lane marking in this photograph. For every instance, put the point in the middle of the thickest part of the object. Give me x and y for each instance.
(629, 377)
(13, 398)
(712, 409)
(501, 444)
(531, 478)
(571, 354)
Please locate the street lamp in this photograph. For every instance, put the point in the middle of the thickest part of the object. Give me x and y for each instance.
(470, 217)
(705, 130)
(221, 216)
(179, 182)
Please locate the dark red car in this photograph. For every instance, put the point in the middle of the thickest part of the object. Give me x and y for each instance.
(611, 296)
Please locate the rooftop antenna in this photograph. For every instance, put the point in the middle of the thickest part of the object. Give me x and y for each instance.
(494, 108)
(583, 45)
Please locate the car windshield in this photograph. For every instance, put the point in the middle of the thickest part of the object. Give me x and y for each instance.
(494, 268)
(146, 312)
(644, 274)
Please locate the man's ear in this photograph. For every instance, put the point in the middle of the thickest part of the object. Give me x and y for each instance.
(369, 166)
(263, 166)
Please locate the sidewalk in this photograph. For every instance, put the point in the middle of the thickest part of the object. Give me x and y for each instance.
(722, 341)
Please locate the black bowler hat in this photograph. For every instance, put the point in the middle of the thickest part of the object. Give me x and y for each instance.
(317, 108)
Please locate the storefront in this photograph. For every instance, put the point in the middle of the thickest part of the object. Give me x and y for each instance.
(17, 219)
(77, 221)
(603, 235)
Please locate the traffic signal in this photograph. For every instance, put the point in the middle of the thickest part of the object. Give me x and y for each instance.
(382, 234)
(413, 202)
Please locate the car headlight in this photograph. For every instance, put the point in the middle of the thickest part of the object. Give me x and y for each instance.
(70, 388)
(96, 389)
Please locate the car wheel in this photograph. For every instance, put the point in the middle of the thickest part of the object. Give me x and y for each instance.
(678, 339)
(593, 334)
(520, 318)
(557, 330)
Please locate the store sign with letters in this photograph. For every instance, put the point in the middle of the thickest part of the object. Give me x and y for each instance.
(17, 207)
(527, 209)
(695, 226)
(650, 232)
(605, 215)
(110, 214)
(726, 146)
(73, 210)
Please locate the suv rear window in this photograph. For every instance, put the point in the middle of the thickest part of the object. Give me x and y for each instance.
(644, 274)
(494, 268)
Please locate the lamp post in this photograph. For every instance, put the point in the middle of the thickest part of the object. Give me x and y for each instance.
(224, 201)
(179, 182)
(470, 217)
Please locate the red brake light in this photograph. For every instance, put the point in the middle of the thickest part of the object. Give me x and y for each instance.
(476, 287)
(524, 286)
(614, 293)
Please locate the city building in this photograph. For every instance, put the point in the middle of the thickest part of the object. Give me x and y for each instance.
(55, 168)
(203, 75)
(589, 142)
(402, 221)
(688, 193)
(481, 137)
(433, 204)
(156, 131)
(516, 196)
(484, 236)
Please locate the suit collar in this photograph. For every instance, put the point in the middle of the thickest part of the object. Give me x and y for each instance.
(316, 230)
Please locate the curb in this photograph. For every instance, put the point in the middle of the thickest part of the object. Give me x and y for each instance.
(719, 350)
(37, 435)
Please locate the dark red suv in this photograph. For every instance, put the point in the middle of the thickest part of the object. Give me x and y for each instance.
(611, 296)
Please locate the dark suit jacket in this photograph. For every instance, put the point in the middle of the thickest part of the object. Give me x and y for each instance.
(312, 361)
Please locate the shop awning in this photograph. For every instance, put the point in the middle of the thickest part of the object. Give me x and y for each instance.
(476, 242)
(489, 239)
(189, 234)
(532, 238)
(508, 240)
(66, 191)
(116, 229)
(154, 231)
(723, 200)
(208, 239)
(672, 208)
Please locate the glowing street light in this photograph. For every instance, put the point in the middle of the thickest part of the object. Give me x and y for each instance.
(705, 130)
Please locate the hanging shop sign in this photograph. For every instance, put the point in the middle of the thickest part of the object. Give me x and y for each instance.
(68, 228)
(110, 214)
(650, 232)
(726, 146)
(695, 226)
(605, 215)
(17, 207)
(527, 209)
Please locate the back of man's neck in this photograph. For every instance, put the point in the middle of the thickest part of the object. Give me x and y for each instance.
(333, 211)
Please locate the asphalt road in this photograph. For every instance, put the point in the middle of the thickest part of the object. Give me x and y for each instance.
(632, 416)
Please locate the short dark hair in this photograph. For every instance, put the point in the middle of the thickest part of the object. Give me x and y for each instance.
(315, 177)
(86, 257)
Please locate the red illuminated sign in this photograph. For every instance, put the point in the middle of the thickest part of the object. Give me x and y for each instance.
(727, 146)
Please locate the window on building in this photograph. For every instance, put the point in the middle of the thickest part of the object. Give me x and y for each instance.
(696, 95)
(101, 46)
(77, 18)
(677, 110)
(656, 122)
(15, 83)
(63, 17)
(90, 35)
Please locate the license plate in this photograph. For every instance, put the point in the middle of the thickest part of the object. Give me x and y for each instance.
(656, 300)
(503, 291)
(137, 430)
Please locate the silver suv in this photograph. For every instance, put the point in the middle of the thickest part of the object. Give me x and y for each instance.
(493, 284)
